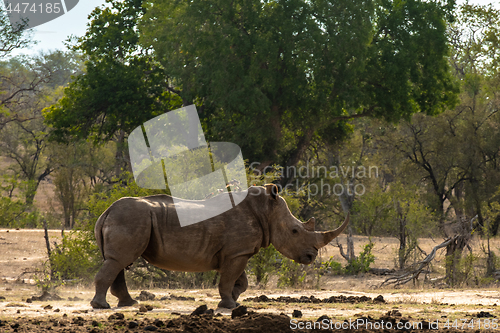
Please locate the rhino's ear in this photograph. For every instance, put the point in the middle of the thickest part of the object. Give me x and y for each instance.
(271, 190)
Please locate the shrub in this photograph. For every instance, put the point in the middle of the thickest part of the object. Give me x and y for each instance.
(363, 261)
(291, 274)
(75, 258)
(263, 264)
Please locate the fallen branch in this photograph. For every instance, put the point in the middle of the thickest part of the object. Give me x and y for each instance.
(414, 271)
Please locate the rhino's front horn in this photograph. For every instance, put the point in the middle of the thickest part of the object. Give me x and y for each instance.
(326, 237)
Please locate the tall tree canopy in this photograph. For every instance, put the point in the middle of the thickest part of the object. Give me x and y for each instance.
(267, 75)
(121, 87)
(271, 74)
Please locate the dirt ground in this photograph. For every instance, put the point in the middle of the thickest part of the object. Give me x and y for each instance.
(341, 302)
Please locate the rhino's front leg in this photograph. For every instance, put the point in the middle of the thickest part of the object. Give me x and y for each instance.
(229, 274)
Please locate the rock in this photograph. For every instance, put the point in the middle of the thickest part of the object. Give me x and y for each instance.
(142, 308)
(263, 298)
(146, 296)
(181, 298)
(297, 314)
(132, 324)
(323, 317)
(484, 314)
(379, 299)
(149, 307)
(239, 311)
(2, 298)
(158, 323)
(95, 323)
(116, 316)
(47, 307)
(199, 310)
(394, 313)
(150, 328)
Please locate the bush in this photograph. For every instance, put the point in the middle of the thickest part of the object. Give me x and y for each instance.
(362, 262)
(332, 266)
(46, 279)
(263, 264)
(75, 258)
(291, 274)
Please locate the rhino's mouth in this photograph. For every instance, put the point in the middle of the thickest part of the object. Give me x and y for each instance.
(308, 257)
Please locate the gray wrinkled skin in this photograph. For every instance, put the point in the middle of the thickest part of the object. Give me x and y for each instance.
(149, 227)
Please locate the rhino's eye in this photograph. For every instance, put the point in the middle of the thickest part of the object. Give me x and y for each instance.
(295, 231)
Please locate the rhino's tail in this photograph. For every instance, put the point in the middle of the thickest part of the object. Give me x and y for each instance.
(98, 231)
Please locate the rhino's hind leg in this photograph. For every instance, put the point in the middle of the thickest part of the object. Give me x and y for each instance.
(240, 286)
(103, 280)
(119, 289)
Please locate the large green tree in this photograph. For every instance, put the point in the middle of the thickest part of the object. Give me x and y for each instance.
(121, 86)
(270, 75)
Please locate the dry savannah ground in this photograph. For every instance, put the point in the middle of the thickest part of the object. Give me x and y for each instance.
(345, 302)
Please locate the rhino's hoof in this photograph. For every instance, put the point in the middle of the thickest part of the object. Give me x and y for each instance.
(97, 305)
(227, 304)
(130, 302)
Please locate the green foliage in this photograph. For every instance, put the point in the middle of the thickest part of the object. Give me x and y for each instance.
(332, 266)
(46, 279)
(362, 263)
(464, 271)
(263, 264)
(291, 274)
(75, 258)
(300, 66)
(122, 87)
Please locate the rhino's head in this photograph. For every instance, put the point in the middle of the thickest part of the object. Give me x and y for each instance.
(292, 238)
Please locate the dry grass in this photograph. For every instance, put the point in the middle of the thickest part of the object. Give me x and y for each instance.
(23, 250)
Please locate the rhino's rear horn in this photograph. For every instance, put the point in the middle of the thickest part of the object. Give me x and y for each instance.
(325, 237)
(310, 225)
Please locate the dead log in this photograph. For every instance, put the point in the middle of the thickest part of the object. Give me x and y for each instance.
(414, 270)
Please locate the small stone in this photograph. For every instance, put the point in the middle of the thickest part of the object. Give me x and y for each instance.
(116, 316)
(95, 323)
(323, 317)
(146, 296)
(47, 307)
(297, 314)
(199, 310)
(132, 324)
(151, 328)
(57, 310)
(158, 323)
(149, 307)
(379, 299)
(239, 311)
(142, 308)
